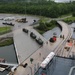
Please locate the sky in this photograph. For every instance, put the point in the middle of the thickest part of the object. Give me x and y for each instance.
(63, 0)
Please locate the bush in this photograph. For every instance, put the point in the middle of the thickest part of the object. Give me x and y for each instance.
(45, 26)
(4, 30)
(73, 14)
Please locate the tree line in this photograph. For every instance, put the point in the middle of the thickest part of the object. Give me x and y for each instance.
(44, 8)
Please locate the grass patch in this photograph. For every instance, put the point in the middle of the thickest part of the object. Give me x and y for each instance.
(6, 41)
(4, 30)
(44, 18)
(65, 15)
(69, 20)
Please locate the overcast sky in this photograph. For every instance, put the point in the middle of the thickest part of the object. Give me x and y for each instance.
(63, 0)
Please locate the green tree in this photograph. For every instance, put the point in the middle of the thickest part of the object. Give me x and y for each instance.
(73, 14)
(42, 25)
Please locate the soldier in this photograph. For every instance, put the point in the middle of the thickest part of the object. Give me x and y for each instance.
(63, 36)
(40, 54)
(60, 36)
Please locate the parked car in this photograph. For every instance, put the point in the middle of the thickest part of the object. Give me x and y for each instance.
(39, 41)
(11, 24)
(5, 23)
(32, 35)
(53, 39)
(1, 18)
(25, 30)
(22, 20)
(9, 18)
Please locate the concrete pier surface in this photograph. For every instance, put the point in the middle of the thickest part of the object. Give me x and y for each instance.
(24, 44)
(40, 54)
(27, 48)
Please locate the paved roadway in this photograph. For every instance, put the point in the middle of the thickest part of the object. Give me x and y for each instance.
(17, 25)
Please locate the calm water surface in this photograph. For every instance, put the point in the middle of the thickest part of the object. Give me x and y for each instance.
(49, 33)
(8, 53)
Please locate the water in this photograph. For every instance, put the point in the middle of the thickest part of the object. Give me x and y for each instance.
(59, 66)
(50, 34)
(8, 53)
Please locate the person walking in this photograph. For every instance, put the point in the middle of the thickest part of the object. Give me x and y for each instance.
(63, 36)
